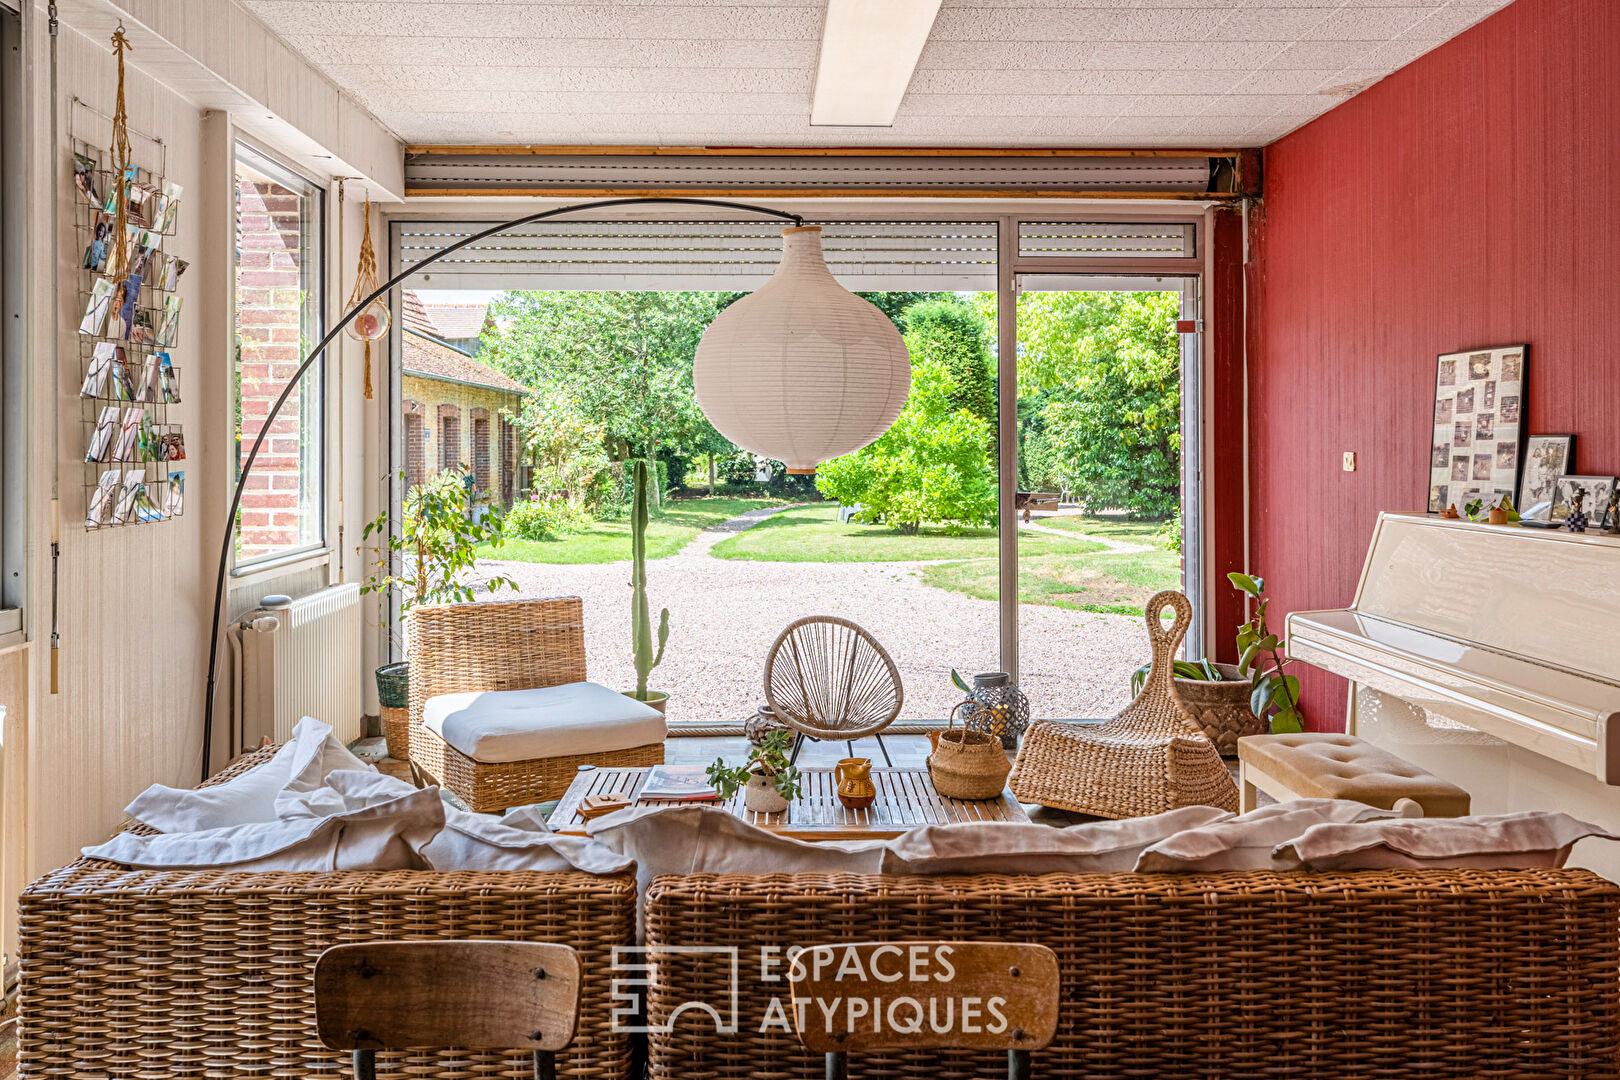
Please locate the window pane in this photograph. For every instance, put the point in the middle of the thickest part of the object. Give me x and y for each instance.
(278, 271)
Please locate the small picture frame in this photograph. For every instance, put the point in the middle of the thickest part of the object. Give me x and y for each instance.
(1546, 458)
(1596, 488)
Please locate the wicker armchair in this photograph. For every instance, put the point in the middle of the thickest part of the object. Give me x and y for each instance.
(1150, 758)
(826, 678)
(500, 645)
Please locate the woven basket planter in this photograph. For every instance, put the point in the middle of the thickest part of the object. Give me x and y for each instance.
(396, 725)
(394, 685)
(1221, 708)
(968, 765)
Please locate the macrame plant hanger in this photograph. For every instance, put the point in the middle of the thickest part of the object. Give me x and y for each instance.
(118, 152)
(372, 323)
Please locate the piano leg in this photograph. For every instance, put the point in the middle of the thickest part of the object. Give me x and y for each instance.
(1248, 795)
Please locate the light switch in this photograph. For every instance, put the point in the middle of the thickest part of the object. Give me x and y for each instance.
(1349, 461)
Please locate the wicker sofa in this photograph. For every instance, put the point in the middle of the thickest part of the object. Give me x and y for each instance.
(1437, 973)
(1368, 974)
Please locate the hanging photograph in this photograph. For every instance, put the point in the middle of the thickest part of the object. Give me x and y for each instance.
(1476, 443)
(1546, 458)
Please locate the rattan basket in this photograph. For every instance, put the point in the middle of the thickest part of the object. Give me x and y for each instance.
(1221, 708)
(968, 764)
(394, 685)
(396, 725)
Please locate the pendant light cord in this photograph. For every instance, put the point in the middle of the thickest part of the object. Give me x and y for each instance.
(320, 347)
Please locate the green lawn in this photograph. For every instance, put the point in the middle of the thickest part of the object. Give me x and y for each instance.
(813, 534)
(1109, 526)
(1113, 582)
(669, 529)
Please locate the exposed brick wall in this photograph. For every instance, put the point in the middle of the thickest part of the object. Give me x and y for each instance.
(269, 295)
(438, 398)
(415, 446)
(480, 449)
(508, 461)
(451, 451)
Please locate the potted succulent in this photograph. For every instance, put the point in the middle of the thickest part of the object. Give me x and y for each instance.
(436, 545)
(768, 779)
(641, 633)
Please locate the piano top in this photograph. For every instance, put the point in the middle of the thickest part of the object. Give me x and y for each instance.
(1542, 594)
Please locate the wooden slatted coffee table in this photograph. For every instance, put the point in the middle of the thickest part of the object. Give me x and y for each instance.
(906, 799)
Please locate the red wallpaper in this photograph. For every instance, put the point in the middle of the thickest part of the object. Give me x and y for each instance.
(1469, 199)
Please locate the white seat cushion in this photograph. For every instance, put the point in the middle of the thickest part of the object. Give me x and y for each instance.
(553, 721)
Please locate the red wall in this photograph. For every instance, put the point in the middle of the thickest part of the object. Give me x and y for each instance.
(1470, 199)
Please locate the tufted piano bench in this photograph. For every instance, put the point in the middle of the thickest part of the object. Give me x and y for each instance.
(1323, 765)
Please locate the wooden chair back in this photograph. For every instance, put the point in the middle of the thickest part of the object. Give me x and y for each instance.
(916, 995)
(494, 645)
(827, 678)
(481, 995)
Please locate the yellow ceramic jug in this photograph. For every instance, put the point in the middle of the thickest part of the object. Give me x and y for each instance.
(855, 788)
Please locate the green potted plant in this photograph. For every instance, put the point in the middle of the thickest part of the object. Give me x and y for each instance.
(768, 779)
(641, 633)
(1273, 695)
(437, 543)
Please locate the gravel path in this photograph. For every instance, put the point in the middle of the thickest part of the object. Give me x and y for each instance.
(724, 614)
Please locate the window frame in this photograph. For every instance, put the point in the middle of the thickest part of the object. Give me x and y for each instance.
(267, 163)
(14, 398)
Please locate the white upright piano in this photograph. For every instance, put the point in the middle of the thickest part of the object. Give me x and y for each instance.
(1489, 655)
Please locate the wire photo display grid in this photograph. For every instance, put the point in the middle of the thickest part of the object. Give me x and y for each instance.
(134, 456)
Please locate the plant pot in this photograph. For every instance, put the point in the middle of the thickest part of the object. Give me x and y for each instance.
(1221, 708)
(394, 685)
(1498, 516)
(656, 698)
(761, 797)
(968, 765)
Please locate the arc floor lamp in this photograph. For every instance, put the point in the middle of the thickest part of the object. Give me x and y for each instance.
(800, 371)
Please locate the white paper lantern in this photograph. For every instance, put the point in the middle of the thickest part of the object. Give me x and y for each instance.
(802, 370)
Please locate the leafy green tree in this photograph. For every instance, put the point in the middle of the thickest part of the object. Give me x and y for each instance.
(1110, 365)
(932, 465)
(951, 331)
(625, 358)
(567, 448)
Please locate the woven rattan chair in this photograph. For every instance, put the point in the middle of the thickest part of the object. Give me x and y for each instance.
(1150, 758)
(504, 645)
(828, 679)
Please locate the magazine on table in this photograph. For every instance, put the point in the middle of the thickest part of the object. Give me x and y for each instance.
(101, 361)
(102, 499)
(677, 783)
(134, 487)
(101, 439)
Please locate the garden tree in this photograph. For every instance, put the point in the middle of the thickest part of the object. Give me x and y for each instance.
(567, 448)
(1109, 363)
(951, 331)
(624, 358)
(933, 464)
(892, 304)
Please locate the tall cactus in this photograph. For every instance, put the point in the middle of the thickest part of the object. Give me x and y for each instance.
(640, 617)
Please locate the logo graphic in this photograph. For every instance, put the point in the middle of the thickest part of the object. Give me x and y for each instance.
(633, 968)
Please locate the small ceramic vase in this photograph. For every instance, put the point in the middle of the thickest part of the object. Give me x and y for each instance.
(855, 788)
(1498, 516)
(761, 795)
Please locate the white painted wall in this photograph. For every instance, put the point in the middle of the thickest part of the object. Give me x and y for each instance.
(134, 602)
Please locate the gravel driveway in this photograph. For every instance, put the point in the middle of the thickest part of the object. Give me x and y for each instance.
(724, 614)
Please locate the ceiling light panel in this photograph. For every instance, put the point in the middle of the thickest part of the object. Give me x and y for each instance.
(869, 49)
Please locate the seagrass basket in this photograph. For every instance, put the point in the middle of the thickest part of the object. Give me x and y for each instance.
(1220, 708)
(968, 764)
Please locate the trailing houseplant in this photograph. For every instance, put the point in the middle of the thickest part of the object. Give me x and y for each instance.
(768, 779)
(426, 561)
(641, 632)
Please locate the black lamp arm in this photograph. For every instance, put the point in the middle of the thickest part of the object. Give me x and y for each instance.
(320, 347)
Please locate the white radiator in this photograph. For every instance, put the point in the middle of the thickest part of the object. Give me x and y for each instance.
(303, 660)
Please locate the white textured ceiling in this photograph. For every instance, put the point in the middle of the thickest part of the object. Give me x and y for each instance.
(1094, 73)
